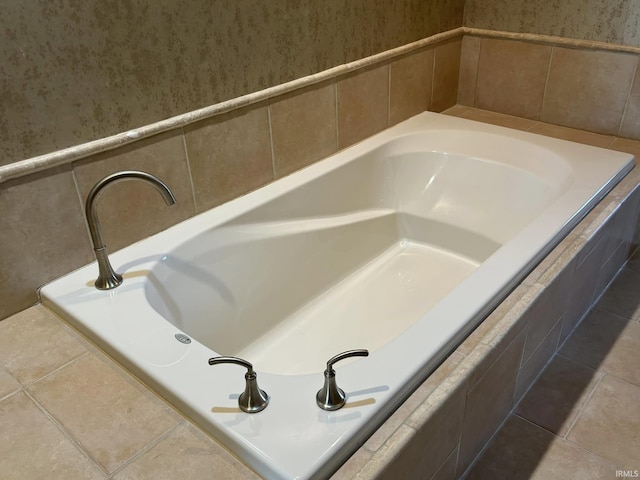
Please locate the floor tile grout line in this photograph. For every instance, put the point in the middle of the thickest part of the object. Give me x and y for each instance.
(541, 427)
(78, 444)
(586, 402)
(584, 365)
(565, 440)
(149, 446)
(180, 420)
(621, 380)
(619, 318)
(531, 422)
(20, 386)
(11, 394)
(591, 452)
(486, 446)
(58, 424)
(56, 370)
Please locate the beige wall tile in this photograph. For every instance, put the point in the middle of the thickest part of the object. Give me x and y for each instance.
(559, 395)
(611, 267)
(512, 76)
(353, 465)
(532, 367)
(34, 342)
(32, 447)
(583, 286)
(447, 470)
(438, 437)
(229, 155)
(132, 210)
(303, 128)
(619, 243)
(469, 57)
(185, 453)
(446, 71)
(512, 325)
(630, 122)
(624, 220)
(489, 402)
(112, 417)
(573, 135)
(410, 88)
(584, 92)
(630, 126)
(42, 233)
(384, 463)
(363, 105)
(495, 317)
(547, 310)
(416, 399)
(609, 425)
(437, 424)
(595, 228)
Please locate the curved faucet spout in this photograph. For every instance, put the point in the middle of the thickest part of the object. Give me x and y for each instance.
(107, 277)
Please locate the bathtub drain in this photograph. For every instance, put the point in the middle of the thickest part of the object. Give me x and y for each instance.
(181, 337)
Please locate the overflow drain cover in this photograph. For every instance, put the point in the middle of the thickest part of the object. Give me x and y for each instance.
(181, 337)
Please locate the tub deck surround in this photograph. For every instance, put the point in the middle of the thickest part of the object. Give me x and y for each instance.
(358, 222)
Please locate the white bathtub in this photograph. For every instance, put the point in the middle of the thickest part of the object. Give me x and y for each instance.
(400, 244)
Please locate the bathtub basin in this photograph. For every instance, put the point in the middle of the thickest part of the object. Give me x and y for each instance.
(401, 244)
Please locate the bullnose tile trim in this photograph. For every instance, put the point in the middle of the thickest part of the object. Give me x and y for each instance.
(68, 155)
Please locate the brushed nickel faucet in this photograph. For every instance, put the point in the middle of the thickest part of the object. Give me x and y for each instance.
(107, 277)
(331, 397)
(252, 400)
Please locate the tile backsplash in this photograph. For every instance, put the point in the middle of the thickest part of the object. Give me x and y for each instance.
(210, 161)
(207, 163)
(588, 88)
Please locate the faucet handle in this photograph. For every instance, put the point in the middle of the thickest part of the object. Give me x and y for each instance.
(252, 400)
(330, 397)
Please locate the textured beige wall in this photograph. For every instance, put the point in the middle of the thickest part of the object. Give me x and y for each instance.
(74, 71)
(612, 21)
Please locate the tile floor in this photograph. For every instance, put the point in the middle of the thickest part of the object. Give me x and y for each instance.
(69, 412)
(581, 418)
